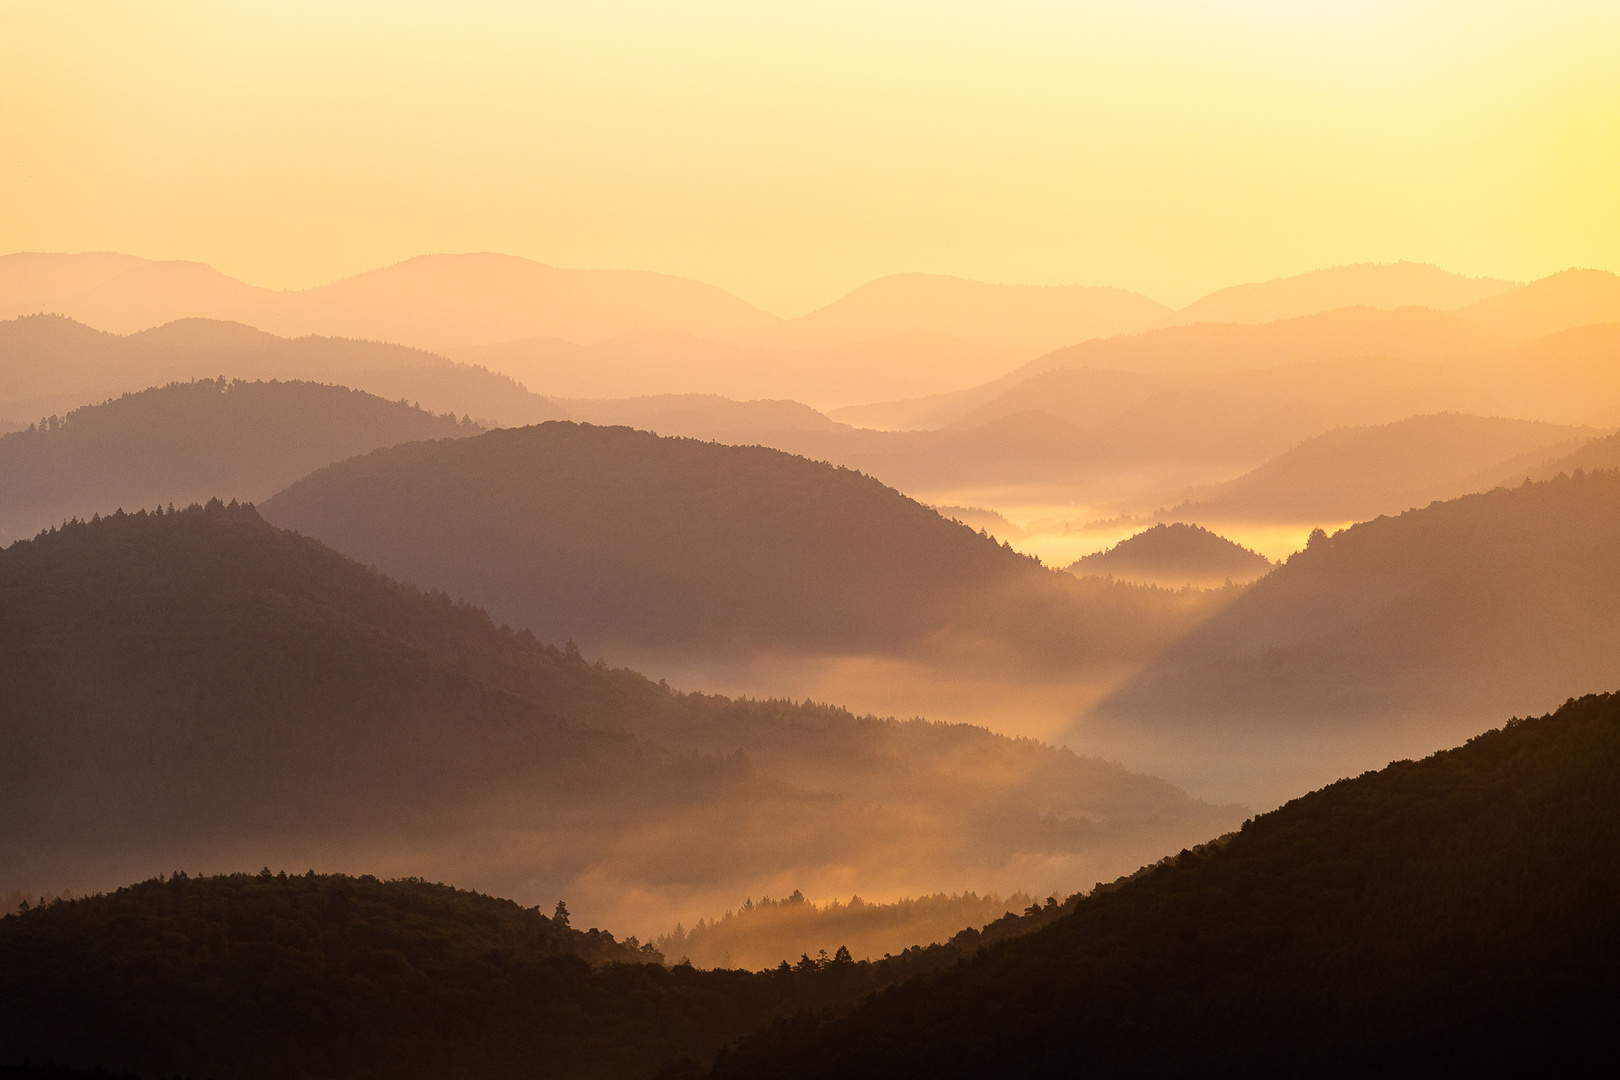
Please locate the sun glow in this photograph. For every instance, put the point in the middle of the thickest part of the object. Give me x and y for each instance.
(788, 152)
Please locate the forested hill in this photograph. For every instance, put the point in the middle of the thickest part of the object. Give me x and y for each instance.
(609, 535)
(334, 977)
(1448, 916)
(198, 689)
(188, 442)
(1175, 555)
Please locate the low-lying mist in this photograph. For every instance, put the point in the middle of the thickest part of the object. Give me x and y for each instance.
(247, 697)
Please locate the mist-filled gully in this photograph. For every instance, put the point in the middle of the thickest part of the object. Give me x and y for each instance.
(802, 660)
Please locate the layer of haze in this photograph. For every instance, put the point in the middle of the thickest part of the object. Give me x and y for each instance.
(788, 152)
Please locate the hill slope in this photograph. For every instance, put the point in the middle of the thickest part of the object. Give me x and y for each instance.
(199, 689)
(1355, 473)
(1241, 365)
(331, 976)
(430, 301)
(1561, 301)
(1175, 555)
(608, 535)
(50, 364)
(1028, 317)
(655, 362)
(188, 442)
(1389, 286)
(1391, 637)
(1452, 914)
(1204, 348)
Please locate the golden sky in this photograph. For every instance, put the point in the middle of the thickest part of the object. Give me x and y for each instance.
(789, 151)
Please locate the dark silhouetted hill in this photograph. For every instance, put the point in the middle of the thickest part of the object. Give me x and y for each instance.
(331, 976)
(610, 535)
(1451, 915)
(1175, 555)
(188, 442)
(1355, 473)
(335, 976)
(199, 689)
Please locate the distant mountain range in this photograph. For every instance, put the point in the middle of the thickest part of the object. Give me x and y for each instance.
(660, 362)
(1562, 301)
(1202, 356)
(50, 364)
(590, 333)
(1374, 285)
(1386, 639)
(442, 301)
(1442, 916)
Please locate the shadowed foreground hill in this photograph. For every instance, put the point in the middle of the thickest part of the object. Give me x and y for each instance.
(199, 689)
(1448, 916)
(188, 442)
(611, 536)
(331, 977)
(1175, 555)
(1394, 636)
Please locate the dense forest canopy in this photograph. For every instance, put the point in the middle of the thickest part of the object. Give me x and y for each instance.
(200, 689)
(609, 535)
(1443, 916)
(333, 977)
(188, 442)
(1175, 554)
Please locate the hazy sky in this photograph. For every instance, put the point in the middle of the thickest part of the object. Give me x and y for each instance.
(788, 151)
